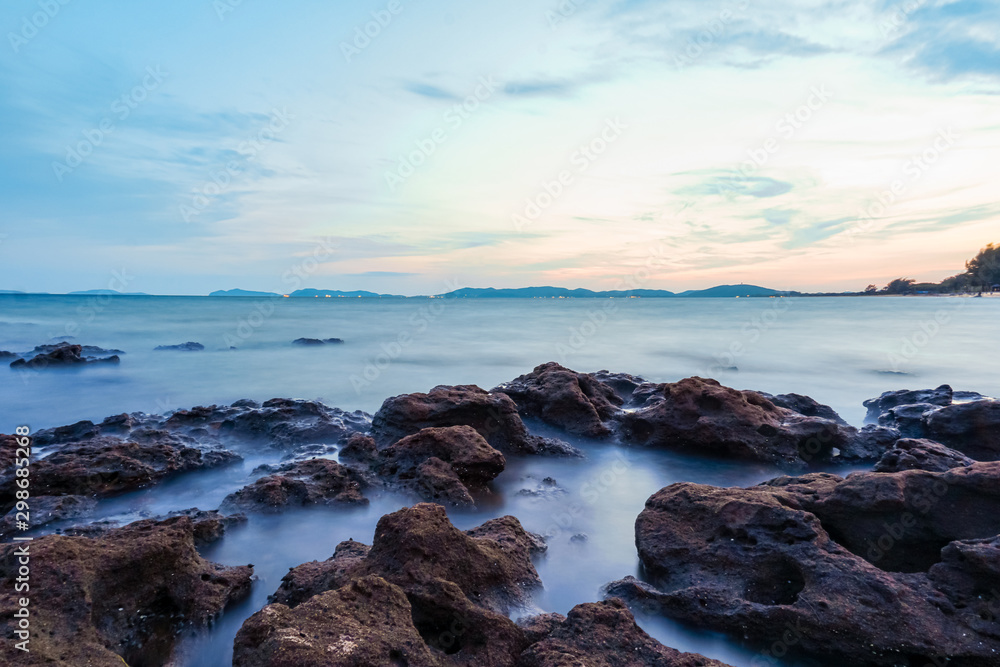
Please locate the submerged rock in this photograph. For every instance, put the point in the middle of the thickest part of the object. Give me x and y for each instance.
(189, 346)
(62, 356)
(122, 597)
(317, 341)
(44, 510)
(312, 482)
(105, 466)
(877, 407)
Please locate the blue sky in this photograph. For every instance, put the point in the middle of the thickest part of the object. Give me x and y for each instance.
(202, 145)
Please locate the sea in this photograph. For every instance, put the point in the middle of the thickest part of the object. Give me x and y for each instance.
(838, 350)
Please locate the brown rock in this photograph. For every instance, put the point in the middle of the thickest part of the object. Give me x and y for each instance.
(123, 595)
(577, 402)
(312, 482)
(911, 454)
(604, 634)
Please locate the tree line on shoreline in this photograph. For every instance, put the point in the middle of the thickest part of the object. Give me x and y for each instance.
(982, 274)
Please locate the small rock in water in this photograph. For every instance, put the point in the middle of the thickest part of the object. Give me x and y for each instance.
(189, 346)
(317, 341)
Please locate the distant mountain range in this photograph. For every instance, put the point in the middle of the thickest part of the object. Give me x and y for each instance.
(312, 293)
(729, 291)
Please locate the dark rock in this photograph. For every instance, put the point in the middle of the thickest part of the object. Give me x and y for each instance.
(106, 466)
(474, 461)
(536, 628)
(4, 355)
(118, 598)
(910, 454)
(312, 482)
(317, 341)
(700, 416)
(85, 350)
(908, 419)
(436, 481)
(360, 448)
(575, 402)
(282, 422)
(44, 510)
(493, 415)
(189, 346)
(209, 525)
(61, 356)
(82, 430)
(941, 396)
(790, 555)
(602, 634)
(804, 405)
(971, 428)
(870, 443)
(623, 383)
(246, 403)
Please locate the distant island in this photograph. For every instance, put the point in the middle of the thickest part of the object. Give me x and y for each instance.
(729, 291)
(981, 275)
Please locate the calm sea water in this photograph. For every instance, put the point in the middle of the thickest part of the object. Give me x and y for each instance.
(837, 350)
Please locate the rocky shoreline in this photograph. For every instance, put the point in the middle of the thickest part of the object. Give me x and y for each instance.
(897, 565)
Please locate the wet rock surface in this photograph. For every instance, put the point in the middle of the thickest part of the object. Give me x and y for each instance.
(911, 454)
(852, 567)
(972, 428)
(804, 405)
(317, 341)
(601, 634)
(312, 482)
(190, 346)
(700, 416)
(578, 403)
(64, 355)
(475, 462)
(121, 597)
(105, 465)
(492, 414)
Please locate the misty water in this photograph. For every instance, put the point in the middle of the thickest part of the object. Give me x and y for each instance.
(840, 351)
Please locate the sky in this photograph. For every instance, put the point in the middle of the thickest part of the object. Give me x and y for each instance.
(412, 147)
